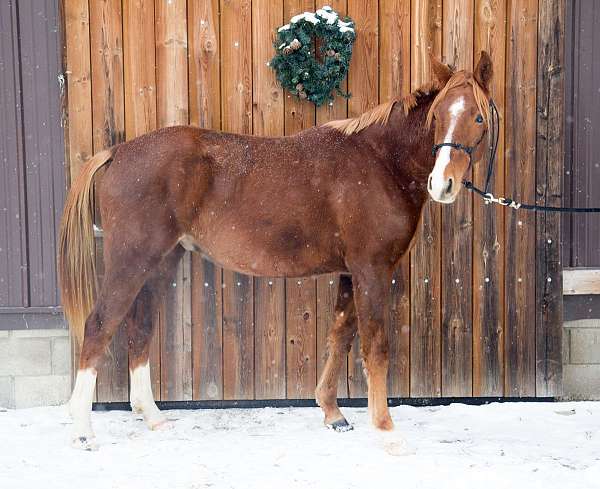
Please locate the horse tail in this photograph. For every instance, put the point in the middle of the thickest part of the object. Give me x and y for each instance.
(76, 265)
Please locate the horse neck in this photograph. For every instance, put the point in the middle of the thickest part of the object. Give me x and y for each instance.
(404, 143)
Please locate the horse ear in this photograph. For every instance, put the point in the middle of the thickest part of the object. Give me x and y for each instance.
(441, 71)
(484, 71)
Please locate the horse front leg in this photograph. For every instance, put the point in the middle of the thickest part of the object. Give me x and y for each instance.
(339, 342)
(372, 297)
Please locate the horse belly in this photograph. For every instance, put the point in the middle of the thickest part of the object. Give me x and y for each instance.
(263, 251)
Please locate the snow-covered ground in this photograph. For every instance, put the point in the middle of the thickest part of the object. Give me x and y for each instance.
(513, 445)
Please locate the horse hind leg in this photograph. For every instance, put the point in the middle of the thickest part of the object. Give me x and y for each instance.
(109, 311)
(140, 329)
(339, 342)
(126, 273)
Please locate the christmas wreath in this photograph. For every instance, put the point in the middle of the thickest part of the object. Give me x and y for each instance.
(313, 55)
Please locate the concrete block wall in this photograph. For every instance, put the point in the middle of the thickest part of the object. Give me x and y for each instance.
(581, 359)
(35, 367)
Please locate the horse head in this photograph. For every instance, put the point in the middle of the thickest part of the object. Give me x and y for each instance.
(462, 117)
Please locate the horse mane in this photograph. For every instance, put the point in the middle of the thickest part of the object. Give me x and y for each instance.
(381, 113)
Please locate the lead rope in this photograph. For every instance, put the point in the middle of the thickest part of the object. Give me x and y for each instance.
(489, 197)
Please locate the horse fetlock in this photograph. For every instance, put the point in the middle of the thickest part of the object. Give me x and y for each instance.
(383, 422)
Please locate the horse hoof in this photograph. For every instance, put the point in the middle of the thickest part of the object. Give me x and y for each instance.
(340, 425)
(160, 425)
(85, 443)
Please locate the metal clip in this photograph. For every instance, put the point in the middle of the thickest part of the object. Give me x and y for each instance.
(489, 198)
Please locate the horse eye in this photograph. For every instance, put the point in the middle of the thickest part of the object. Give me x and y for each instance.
(479, 119)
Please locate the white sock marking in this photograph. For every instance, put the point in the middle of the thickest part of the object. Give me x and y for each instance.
(80, 405)
(141, 397)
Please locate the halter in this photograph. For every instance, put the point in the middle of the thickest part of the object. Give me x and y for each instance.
(488, 197)
(495, 135)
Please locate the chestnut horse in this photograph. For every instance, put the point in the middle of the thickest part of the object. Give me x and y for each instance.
(344, 197)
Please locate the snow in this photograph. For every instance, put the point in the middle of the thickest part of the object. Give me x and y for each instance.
(326, 13)
(329, 16)
(308, 16)
(512, 445)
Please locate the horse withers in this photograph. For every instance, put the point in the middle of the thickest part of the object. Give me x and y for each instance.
(349, 198)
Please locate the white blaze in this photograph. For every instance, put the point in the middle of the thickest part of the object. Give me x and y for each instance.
(438, 181)
(141, 397)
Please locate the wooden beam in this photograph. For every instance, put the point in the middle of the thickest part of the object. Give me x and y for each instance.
(488, 221)
(425, 333)
(549, 177)
(581, 281)
(269, 292)
(394, 81)
(457, 232)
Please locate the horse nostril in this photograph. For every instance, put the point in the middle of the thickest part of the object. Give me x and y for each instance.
(429, 183)
(450, 184)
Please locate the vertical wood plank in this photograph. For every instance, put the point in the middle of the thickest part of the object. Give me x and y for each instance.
(176, 337)
(488, 221)
(425, 340)
(301, 335)
(205, 111)
(106, 39)
(327, 285)
(269, 292)
(457, 231)
(299, 114)
(139, 55)
(207, 332)
(236, 110)
(549, 171)
(520, 184)
(363, 83)
(172, 109)
(108, 104)
(79, 103)
(77, 26)
(394, 81)
(140, 109)
(301, 352)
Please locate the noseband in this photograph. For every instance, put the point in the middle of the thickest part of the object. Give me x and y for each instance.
(493, 148)
(467, 149)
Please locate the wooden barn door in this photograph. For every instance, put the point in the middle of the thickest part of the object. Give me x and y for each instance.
(477, 304)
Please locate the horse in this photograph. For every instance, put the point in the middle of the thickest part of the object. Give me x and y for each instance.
(349, 195)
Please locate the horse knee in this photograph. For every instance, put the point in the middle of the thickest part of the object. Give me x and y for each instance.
(374, 345)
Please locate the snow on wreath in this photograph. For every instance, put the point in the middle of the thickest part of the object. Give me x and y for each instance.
(313, 55)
